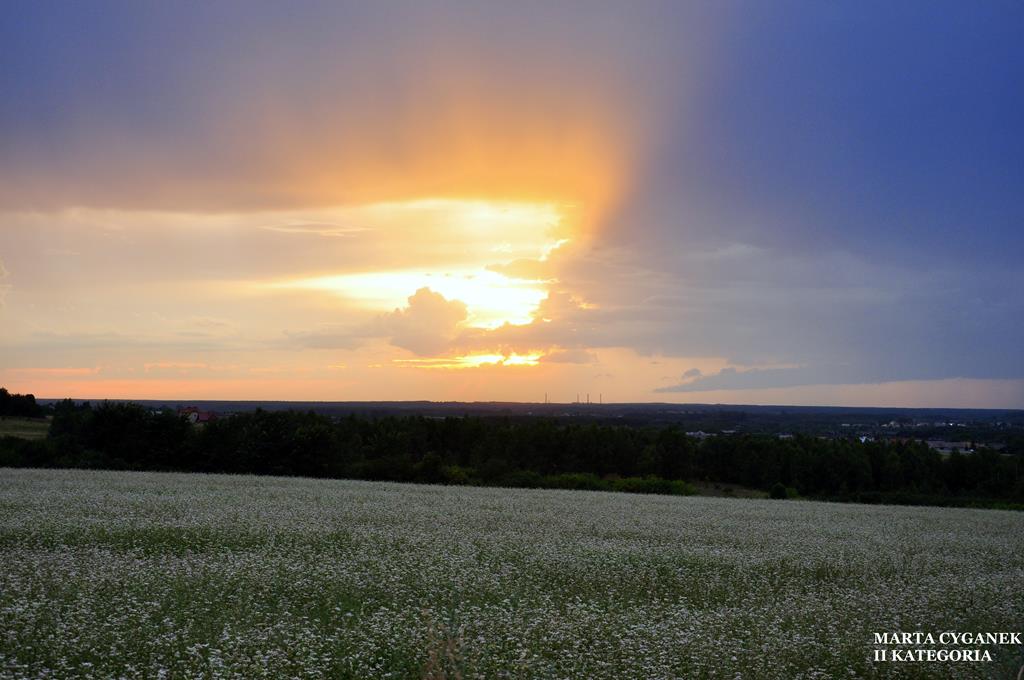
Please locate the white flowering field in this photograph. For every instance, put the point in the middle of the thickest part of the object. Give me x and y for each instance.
(107, 574)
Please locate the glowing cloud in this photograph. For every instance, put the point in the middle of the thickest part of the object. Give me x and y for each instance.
(492, 299)
(473, 361)
(426, 326)
(463, 245)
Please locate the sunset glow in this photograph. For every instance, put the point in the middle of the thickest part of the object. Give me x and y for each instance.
(654, 202)
(469, 244)
(492, 299)
(473, 361)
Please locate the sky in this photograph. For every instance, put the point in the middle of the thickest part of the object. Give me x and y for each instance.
(791, 202)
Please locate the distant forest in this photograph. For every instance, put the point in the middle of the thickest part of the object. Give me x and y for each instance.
(518, 452)
(19, 405)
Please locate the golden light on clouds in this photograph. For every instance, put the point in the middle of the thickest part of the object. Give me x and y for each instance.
(492, 299)
(474, 252)
(473, 361)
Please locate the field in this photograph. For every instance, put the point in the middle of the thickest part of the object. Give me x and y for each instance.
(25, 428)
(108, 574)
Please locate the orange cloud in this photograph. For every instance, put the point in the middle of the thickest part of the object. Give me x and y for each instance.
(426, 326)
(570, 356)
(46, 373)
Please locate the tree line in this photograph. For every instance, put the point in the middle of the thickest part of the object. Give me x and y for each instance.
(19, 405)
(517, 451)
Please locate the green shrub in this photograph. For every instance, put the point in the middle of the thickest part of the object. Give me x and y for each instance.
(457, 475)
(523, 479)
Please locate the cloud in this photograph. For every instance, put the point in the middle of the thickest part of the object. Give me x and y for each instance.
(51, 372)
(4, 287)
(524, 268)
(561, 322)
(570, 356)
(325, 338)
(332, 230)
(426, 326)
(326, 119)
(757, 306)
(729, 378)
(732, 221)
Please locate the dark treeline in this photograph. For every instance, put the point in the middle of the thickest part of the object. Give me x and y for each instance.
(525, 452)
(20, 405)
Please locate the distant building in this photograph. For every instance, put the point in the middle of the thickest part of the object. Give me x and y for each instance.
(193, 415)
(947, 447)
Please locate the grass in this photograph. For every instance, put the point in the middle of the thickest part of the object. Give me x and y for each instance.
(25, 428)
(113, 574)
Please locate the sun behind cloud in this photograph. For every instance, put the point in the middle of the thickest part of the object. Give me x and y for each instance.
(467, 250)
